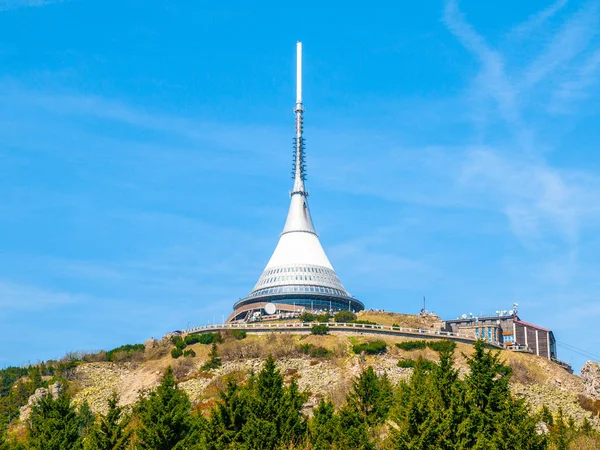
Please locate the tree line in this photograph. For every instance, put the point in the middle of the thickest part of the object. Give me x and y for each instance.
(433, 409)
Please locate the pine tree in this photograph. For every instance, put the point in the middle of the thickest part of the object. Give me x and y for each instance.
(214, 361)
(86, 419)
(292, 426)
(561, 435)
(414, 412)
(323, 426)
(54, 425)
(371, 396)
(110, 431)
(163, 416)
(586, 428)
(230, 415)
(546, 416)
(352, 431)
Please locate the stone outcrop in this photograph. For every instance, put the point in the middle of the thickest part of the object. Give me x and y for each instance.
(54, 390)
(590, 375)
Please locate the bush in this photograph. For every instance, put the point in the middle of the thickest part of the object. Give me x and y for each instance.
(307, 317)
(190, 353)
(314, 351)
(344, 317)
(411, 363)
(206, 338)
(124, 352)
(178, 342)
(238, 334)
(370, 348)
(319, 329)
(411, 345)
(323, 318)
(176, 352)
(406, 363)
(364, 322)
(440, 346)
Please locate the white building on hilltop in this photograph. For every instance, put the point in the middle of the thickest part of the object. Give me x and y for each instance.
(299, 275)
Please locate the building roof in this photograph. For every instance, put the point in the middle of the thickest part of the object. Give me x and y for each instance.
(532, 326)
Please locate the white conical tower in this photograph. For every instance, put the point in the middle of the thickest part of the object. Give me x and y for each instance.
(299, 274)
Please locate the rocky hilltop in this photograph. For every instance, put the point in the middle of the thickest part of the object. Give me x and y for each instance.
(326, 373)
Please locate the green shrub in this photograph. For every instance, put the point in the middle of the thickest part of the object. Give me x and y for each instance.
(176, 352)
(307, 317)
(395, 325)
(189, 353)
(178, 342)
(440, 346)
(411, 363)
(370, 348)
(314, 351)
(411, 345)
(406, 363)
(238, 334)
(214, 361)
(364, 322)
(206, 338)
(124, 352)
(319, 329)
(344, 317)
(323, 318)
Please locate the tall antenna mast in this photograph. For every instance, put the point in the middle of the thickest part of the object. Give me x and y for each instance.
(299, 168)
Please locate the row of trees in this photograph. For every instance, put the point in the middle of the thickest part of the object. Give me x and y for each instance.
(434, 409)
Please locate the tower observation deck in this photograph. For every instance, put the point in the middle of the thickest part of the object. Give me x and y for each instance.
(299, 275)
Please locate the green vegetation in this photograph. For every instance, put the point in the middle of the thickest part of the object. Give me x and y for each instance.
(124, 352)
(206, 339)
(411, 363)
(163, 416)
(438, 346)
(370, 348)
(307, 317)
(314, 351)
(433, 409)
(319, 329)
(55, 424)
(364, 322)
(189, 353)
(238, 335)
(412, 345)
(111, 432)
(214, 362)
(323, 318)
(344, 317)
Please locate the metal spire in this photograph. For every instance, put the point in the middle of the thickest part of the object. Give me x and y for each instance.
(298, 218)
(299, 168)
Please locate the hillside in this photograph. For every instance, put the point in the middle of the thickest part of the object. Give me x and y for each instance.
(324, 366)
(538, 380)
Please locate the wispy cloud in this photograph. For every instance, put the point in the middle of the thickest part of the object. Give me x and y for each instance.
(536, 20)
(22, 297)
(492, 80)
(538, 200)
(7, 5)
(575, 88)
(572, 39)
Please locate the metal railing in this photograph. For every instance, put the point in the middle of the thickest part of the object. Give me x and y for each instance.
(290, 326)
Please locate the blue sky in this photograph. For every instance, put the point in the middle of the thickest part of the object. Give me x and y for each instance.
(145, 157)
